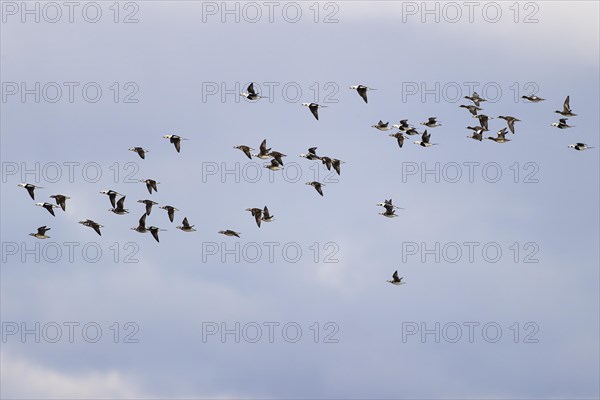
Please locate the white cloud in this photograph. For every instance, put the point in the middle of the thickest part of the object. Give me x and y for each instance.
(24, 379)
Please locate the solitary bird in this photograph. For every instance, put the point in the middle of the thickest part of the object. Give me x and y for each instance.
(154, 231)
(30, 188)
(566, 111)
(176, 140)
(472, 109)
(311, 155)
(229, 232)
(141, 228)
(251, 94)
(362, 91)
(314, 108)
(561, 124)
(381, 126)
(476, 99)
(185, 226)
(92, 224)
(48, 206)
(580, 146)
(140, 151)
(112, 196)
(396, 280)
(389, 213)
(263, 151)
(170, 211)
(120, 208)
(317, 186)
(245, 149)
(150, 184)
(501, 137)
(533, 98)
(41, 233)
(431, 123)
(266, 217)
(510, 121)
(399, 136)
(257, 214)
(61, 200)
(425, 140)
(149, 204)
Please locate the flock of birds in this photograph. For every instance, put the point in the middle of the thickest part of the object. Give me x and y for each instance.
(276, 163)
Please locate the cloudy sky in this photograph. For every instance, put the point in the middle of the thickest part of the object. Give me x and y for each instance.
(497, 243)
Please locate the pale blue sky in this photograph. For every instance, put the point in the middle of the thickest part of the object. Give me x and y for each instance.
(169, 54)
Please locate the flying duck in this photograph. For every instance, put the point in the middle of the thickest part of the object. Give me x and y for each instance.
(141, 228)
(229, 232)
(501, 137)
(411, 131)
(399, 136)
(185, 226)
(251, 94)
(61, 200)
(510, 121)
(171, 211)
(41, 233)
(472, 109)
(311, 155)
(389, 213)
(329, 162)
(533, 99)
(381, 126)
(561, 124)
(141, 152)
(317, 186)
(154, 231)
(119, 209)
(48, 206)
(314, 108)
(30, 188)
(150, 184)
(273, 165)
(388, 205)
(402, 126)
(483, 120)
(245, 149)
(362, 91)
(91, 224)
(277, 156)
(149, 204)
(396, 280)
(431, 122)
(580, 146)
(112, 195)
(176, 140)
(477, 132)
(263, 151)
(266, 217)
(257, 214)
(476, 99)
(566, 112)
(425, 140)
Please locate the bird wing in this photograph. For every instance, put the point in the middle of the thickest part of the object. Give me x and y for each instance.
(171, 212)
(155, 234)
(185, 223)
(177, 143)
(314, 109)
(121, 202)
(96, 228)
(318, 188)
(251, 88)
(362, 91)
